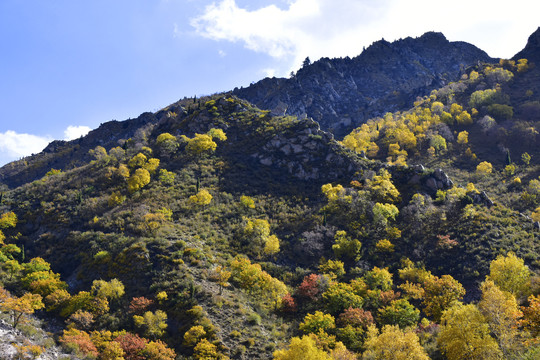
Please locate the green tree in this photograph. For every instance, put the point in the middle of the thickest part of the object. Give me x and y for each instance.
(319, 321)
(154, 324)
(167, 144)
(438, 143)
(384, 212)
(166, 177)
(113, 289)
(340, 296)
(346, 247)
(399, 312)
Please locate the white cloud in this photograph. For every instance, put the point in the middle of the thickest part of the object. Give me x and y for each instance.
(14, 145)
(75, 132)
(317, 28)
(222, 53)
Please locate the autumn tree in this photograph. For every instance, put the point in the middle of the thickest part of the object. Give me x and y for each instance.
(7, 220)
(222, 276)
(381, 187)
(382, 213)
(465, 334)
(484, 168)
(80, 341)
(257, 233)
(317, 322)
(166, 177)
(531, 316)
(332, 268)
(158, 350)
(393, 343)
(17, 307)
(257, 282)
(440, 293)
(247, 202)
(438, 143)
(510, 274)
(463, 138)
(304, 348)
(138, 180)
(137, 161)
(202, 198)
(501, 311)
(194, 335)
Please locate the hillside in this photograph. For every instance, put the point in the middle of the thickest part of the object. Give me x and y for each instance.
(341, 94)
(213, 229)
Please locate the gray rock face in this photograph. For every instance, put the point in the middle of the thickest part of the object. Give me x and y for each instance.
(341, 94)
(481, 198)
(308, 153)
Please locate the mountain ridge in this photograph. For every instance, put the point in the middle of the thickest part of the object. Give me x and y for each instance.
(343, 93)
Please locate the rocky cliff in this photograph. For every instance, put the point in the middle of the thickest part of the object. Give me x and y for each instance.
(342, 93)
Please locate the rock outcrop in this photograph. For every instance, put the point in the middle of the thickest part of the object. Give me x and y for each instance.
(341, 94)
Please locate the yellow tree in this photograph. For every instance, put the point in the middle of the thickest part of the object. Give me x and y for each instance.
(465, 335)
(257, 232)
(19, 306)
(304, 348)
(222, 276)
(484, 168)
(113, 289)
(7, 220)
(510, 274)
(440, 293)
(463, 138)
(502, 313)
(202, 198)
(393, 343)
(140, 179)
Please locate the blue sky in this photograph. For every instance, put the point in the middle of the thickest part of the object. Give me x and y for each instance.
(66, 65)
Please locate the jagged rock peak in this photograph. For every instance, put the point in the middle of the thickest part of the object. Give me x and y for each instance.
(342, 93)
(532, 49)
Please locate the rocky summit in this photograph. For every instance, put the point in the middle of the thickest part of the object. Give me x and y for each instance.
(343, 93)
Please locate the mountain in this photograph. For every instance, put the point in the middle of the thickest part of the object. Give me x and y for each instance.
(532, 49)
(215, 229)
(341, 94)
